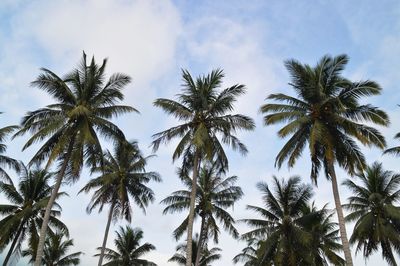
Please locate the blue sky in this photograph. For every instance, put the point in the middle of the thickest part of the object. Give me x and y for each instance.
(152, 40)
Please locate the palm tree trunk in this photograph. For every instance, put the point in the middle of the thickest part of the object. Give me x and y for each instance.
(43, 229)
(13, 244)
(201, 238)
(103, 247)
(339, 210)
(196, 163)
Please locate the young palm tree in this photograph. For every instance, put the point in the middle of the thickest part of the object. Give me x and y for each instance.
(84, 105)
(214, 195)
(327, 115)
(207, 255)
(286, 242)
(55, 251)
(129, 249)
(24, 216)
(373, 209)
(324, 236)
(122, 176)
(204, 112)
(6, 161)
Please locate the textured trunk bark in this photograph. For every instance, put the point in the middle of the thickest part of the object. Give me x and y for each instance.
(53, 196)
(13, 244)
(196, 163)
(339, 210)
(203, 231)
(103, 247)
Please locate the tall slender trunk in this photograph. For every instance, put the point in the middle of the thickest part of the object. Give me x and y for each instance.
(339, 210)
(45, 223)
(10, 251)
(203, 231)
(103, 247)
(196, 163)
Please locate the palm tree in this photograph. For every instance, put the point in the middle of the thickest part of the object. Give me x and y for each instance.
(6, 161)
(204, 112)
(286, 242)
(322, 246)
(122, 176)
(84, 105)
(24, 216)
(327, 115)
(214, 195)
(55, 251)
(207, 255)
(372, 208)
(129, 249)
(324, 236)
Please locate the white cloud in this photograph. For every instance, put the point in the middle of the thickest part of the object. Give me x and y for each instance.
(238, 48)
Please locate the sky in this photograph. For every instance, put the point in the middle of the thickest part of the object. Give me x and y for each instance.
(152, 41)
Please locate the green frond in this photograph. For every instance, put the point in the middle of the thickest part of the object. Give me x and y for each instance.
(360, 89)
(394, 151)
(174, 108)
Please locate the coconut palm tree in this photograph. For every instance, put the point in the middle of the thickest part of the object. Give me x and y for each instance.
(6, 161)
(324, 236)
(215, 194)
(55, 251)
(24, 215)
(206, 122)
(123, 176)
(207, 255)
(326, 115)
(129, 249)
(322, 247)
(286, 242)
(372, 207)
(84, 105)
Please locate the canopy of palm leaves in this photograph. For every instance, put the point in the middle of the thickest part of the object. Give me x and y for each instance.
(23, 217)
(129, 250)
(286, 242)
(122, 176)
(215, 194)
(372, 207)
(84, 104)
(6, 161)
(208, 255)
(56, 251)
(327, 115)
(321, 250)
(204, 111)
